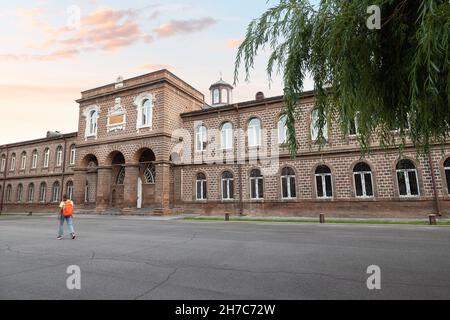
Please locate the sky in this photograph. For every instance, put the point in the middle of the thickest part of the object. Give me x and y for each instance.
(50, 51)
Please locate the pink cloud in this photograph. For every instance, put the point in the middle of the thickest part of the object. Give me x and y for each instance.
(233, 43)
(175, 27)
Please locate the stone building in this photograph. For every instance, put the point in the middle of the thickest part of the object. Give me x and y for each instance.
(151, 145)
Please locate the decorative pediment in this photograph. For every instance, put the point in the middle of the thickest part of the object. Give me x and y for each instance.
(116, 117)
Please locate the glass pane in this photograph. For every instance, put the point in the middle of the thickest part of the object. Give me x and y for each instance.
(293, 188)
(447, 174)
(369, 188)
(199, 190)
(329, 186)
(319, 186)
(284, 187)
(413, 183)
(204, 190)
(231, 183)
(260, 188)
(253, 188)
(224, 189)
(358, 185)
(401, 183)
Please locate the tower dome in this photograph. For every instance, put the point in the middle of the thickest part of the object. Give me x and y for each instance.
(221, 93)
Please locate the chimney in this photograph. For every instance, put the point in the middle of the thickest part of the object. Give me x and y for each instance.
(259, 96)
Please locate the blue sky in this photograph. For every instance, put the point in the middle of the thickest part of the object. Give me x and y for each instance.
(45, 65)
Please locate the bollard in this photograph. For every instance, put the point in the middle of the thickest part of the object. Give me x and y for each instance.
(227, 217)
(432, 218)
(322, 218)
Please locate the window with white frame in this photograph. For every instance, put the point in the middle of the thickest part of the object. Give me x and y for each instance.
(31, 193)
(216, 96)
(447, 173)
(59, 156)
(56, 192)
(46, 157)
(3, 163)
(353, 127)
(227, 186)
(23, 161)
(315, 126)
(324, 184)
(227, 136)
(408, 182)
(201, 191)
(93, 123)
(362, 175)
(200, 138)
(69, 189)
(254, 132)
(73, 153)
(19, 193)
(256, 185)
(8, 193)
(282, 129)
(13, 162)
(34, 159)
(43, 192)
(288, 183)
(145, 105)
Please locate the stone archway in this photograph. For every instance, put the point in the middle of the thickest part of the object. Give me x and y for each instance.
(85, 182)
(146, 180)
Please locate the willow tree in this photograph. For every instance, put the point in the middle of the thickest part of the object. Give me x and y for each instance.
(394, 76)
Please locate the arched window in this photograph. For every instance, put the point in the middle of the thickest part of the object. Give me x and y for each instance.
(3, 163)
(121, 176)
(224, 96)
(216, 96)
(227, 136)
(69, 189)
(362, 175)
(92, 122)
(256, 185)
(43, 192)
(73, 153)
(147, 113)
(8, 193)
(150, 174)
(46, 157)
(315, 126)
(254, 132)
(13, 162)
(353, 127)
(288, 185)
(408, 183)
(447, 174)
(86, 192)
(34, 159)
(19, 192)
(227, 186)
(56, 192)
(59, 156)
(23, 161)
(200, 138)
(201, 187)
(282, 129)
(31, 192)
(324, 185)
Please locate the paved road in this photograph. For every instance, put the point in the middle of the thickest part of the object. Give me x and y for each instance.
(134, 258)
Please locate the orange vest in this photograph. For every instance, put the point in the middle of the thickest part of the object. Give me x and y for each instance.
(68, 209)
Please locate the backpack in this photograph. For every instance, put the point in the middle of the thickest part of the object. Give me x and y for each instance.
(68, 208)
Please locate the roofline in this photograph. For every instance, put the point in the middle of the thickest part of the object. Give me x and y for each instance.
(17, 144)
(244, 104)
(137, 86)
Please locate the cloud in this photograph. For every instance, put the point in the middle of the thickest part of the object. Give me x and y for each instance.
(233, 43)
(175, 27)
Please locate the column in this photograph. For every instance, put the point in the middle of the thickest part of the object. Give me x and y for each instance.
(103, 188)
(162, 188)
(130, 186)
(79, 184)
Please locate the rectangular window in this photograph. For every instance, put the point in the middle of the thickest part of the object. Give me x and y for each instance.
(227, 189)
(34, 161)
(23, 163)
(3, 165)
(13, 163)
(359, 185)
(368, 184)
(72, 156)
(46, 159)
(414, 188)
(59, 158)
(329, 187)
(402, 183)
(319, 184)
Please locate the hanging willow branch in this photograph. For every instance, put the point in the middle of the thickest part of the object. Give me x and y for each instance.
(395, 78)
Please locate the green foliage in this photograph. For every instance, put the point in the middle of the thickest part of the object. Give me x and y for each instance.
(393, 78)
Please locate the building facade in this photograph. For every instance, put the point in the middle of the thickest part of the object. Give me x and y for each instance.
(151, 145)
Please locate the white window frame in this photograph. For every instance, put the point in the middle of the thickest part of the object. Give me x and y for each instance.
(56, 191)
(201, 138)
(139, 104)
(203, 184)
(73, 154)
(408, 184)
(215, 96)
(226, 136)
(445, 172)
(34, 160)
(20, 193)
(353, 135)
(70, 189)
(254, 134)
(314, 128)
(288, 182)
(12, 167)
(282, 129)
(46, 157)
(59, 156)
(88, 115)
(31, 193)
(323, 176)
(362, 174)
(23, 161)
(228, 181)
(256, 181)
(42, 193)
(8, 193)
(3, 164)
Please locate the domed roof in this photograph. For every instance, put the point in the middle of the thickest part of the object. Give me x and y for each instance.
(221, 83)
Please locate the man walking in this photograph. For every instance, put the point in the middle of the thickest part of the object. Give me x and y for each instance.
(66, 214)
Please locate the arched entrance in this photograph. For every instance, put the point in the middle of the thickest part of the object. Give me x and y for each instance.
(116, 162)
(89, 185)
(146, 178)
